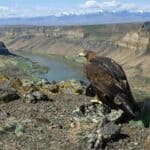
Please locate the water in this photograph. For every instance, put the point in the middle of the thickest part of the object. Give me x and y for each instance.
(58, 68)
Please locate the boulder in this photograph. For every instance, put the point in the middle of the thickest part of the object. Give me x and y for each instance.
(103, 119)
(103, 133)
(42, 82)
(8, 95)
(4, 82)
(96, 112)
(53, 88)
(71, 87)
(12, 126)
(35, 96)
(27, 83)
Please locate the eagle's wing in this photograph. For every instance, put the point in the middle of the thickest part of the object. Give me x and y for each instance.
(111, 67)
(106, 77)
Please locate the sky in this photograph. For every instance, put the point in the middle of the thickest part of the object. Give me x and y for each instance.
(34, 8)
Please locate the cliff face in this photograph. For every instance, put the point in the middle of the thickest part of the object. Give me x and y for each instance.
(63, 40)
(138, 41)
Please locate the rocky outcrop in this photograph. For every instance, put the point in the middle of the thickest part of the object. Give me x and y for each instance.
(8, 95)
(103, 133)
(104, 118)
(34, 91)
(34, 97)
(3, 49)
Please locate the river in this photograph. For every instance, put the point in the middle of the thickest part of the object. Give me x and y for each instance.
(59, 68)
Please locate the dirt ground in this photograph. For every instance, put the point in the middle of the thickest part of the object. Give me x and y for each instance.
(48, 125)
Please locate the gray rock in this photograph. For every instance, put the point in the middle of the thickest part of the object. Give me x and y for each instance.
(37, 95)
(138, 123)
(12, 126)
(27, 83)
(29, 98)
(96, 112)
(89, 112)
(103, 133)
(8, 95)
(42, 82)
(114, 115)
(53, 88)
(33, 97)
(19, 130)
(110, 130)
(71, 87)
(104, 117)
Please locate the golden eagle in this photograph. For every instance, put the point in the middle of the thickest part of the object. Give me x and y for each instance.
(110, 83)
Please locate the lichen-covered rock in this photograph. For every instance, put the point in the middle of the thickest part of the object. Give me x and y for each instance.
(96, 112)
(53, 88)
(114, 115)
(29, 98)
(42, 82)
(19, 130)
(103, 133)
(12, 125)
(16, 83)
(3, 78)
(4, 82)
(104, 118)
(27, 83)
(89, 112)
(138, 123)
(71, 87)
(33, 97)
(8, 95)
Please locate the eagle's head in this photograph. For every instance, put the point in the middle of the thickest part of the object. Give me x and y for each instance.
(89, 55)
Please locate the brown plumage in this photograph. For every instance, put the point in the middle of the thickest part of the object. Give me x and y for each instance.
(110, 83)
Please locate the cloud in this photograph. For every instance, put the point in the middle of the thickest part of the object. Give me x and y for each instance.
(90, 6)
(3, 8)
(17, 11)
(5, 11)
(114, 6)
(102, 5)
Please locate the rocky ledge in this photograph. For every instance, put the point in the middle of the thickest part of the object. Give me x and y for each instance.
(4, 50)
(59, 115)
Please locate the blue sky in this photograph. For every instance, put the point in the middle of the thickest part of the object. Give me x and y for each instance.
(31, 8)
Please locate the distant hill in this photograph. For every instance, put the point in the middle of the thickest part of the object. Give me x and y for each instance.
(87, 19)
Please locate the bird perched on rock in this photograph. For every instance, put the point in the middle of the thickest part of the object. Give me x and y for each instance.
(110, 83)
